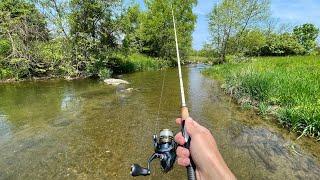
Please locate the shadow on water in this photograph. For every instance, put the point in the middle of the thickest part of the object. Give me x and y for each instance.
(87, 130)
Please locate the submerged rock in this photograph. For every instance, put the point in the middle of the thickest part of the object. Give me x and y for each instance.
(271, 151)
(115, 82)
(127, 90)
(61, 123)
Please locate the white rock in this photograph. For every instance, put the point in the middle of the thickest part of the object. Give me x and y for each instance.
(129, 89)
(126, 90)
(115, 82)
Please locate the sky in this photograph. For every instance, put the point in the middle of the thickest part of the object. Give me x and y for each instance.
(290, 12)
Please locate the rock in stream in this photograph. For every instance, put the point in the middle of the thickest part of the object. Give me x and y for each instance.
(274, 153)
(115, 82)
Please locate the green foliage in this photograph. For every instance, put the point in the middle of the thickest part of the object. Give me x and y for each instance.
(4, 47)
(252, 42)
(90, 38)
(263, 109)
(282, 45)
(92, 32)
(130, 23)
(136, 62)
(208, 51)
(156, 27)
(52, 59)
(289, 83)
(206, 55)
(254, 85)
(235, 27)
(231, 18)
(104, 73)
(258, 43)
(20, 66)
(6, 73)
(307, 35)
(21, 26)
(317, 51)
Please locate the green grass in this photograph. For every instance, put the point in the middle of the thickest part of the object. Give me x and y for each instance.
(288, 87)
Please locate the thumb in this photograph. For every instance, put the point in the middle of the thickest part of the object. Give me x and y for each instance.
(191, 126)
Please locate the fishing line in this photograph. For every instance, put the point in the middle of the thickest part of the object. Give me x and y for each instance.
(160, 101)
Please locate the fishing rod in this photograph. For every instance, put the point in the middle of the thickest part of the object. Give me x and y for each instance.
(164, 146)
(184, 108)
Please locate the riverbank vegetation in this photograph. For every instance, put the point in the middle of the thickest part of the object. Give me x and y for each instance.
(84, 38)
(287, 87)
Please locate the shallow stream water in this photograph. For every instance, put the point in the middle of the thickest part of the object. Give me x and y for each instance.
(85, 129)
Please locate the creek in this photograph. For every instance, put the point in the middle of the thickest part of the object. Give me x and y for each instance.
(86, 129)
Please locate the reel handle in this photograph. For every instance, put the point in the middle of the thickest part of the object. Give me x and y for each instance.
(137, 170)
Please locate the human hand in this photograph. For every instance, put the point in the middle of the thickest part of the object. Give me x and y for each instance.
(204, 152)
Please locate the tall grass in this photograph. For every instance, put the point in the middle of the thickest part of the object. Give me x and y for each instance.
(289, 86)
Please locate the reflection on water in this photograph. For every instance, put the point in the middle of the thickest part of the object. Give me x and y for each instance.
(66, 100)
(87, 130)
(5, 130)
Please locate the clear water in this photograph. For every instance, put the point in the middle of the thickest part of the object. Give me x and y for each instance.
(85, 129)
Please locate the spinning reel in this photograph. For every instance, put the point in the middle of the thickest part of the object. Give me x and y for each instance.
(165, 150)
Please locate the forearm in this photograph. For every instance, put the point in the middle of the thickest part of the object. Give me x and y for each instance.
(217, 168)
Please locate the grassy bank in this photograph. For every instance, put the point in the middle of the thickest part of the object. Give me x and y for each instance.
(287, 87)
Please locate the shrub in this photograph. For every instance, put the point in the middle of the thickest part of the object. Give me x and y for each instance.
(104, 73)
(136, 62)
(4, 47)
(20, 67)
(6, 74)
(282, 45)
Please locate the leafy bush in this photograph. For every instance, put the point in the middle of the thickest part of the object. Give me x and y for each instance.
(20, 67)
(253, 42)
(6, 74)
(307, 35)
(282, 45)
(136, 62)
(104, 73)
(4, 47)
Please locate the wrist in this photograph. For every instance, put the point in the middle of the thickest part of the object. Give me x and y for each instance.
(217, 168)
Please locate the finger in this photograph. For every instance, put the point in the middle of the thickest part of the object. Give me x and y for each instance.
(183, 152)
(183, 161)
(179, 139)
(179, 121)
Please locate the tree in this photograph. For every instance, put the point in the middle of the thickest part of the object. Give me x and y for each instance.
(93, 34)
(232, 17)
(252, 42)
(56, 13)
(130, 25)
(307, 35)
(157, 27)
(21, 26)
